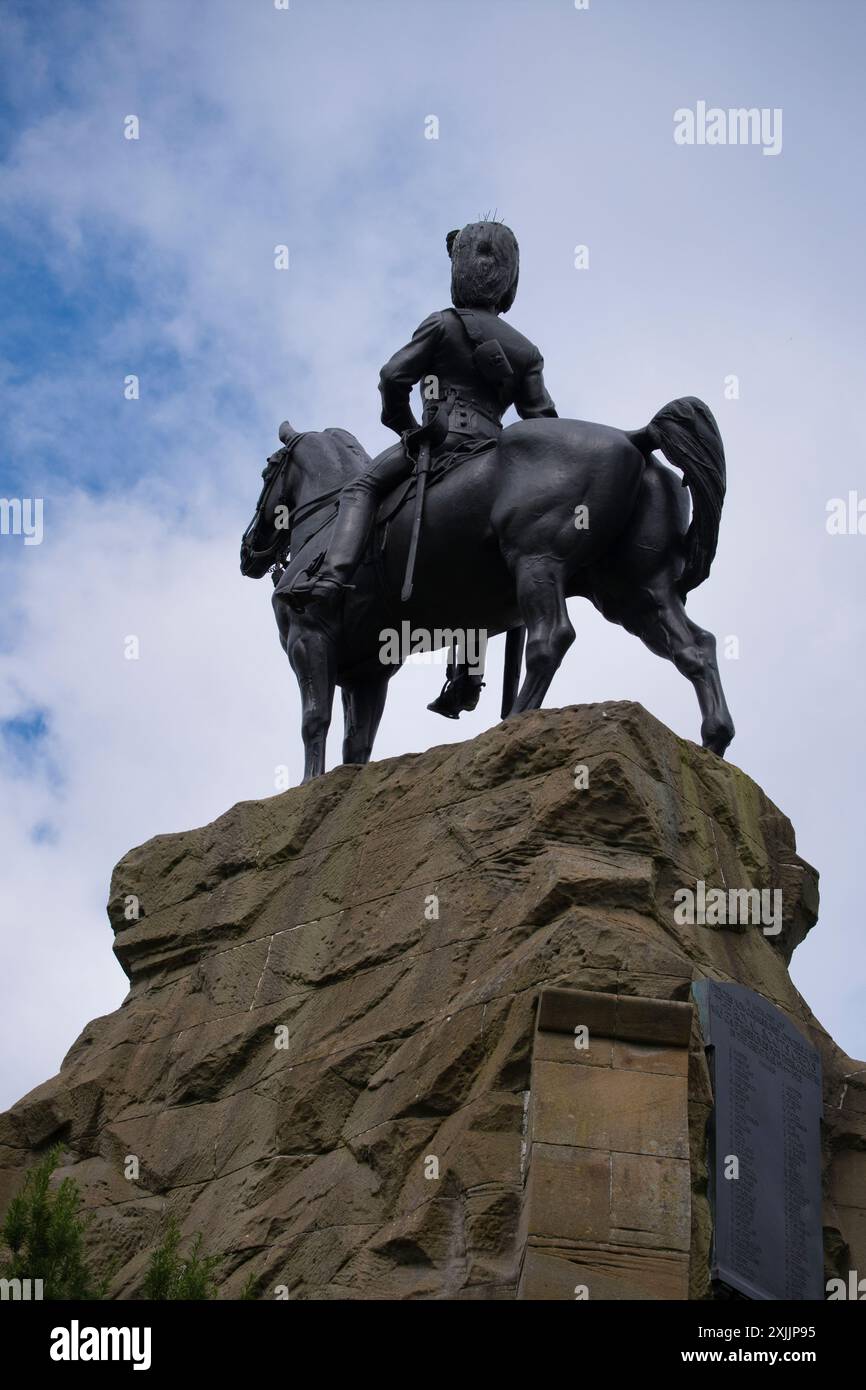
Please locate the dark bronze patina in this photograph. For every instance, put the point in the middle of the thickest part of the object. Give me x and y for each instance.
(466, 526)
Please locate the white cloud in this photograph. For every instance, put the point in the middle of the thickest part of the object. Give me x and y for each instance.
(261, 127)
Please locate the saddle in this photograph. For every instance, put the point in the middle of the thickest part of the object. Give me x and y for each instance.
(440, 468)
(434, 431)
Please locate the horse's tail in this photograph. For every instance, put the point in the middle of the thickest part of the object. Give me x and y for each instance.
(689, 438)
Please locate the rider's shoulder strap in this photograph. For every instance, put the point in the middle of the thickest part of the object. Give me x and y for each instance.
(474, 331)
(489, 355)
(469, 319)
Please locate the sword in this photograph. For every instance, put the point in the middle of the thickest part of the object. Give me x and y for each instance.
(421, 472)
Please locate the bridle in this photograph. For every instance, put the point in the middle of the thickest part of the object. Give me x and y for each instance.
(277, 551)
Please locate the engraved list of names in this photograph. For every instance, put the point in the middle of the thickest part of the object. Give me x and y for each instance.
(765, 1146)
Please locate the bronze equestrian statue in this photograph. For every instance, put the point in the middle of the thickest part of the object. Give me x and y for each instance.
(471, 367)
(466, 526)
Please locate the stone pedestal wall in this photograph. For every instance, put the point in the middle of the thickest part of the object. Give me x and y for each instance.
(326, 1055)
(607, 1204)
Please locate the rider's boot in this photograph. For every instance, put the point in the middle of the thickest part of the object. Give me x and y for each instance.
(331, 575)
(460, 692)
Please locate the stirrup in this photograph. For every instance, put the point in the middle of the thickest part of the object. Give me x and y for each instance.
(450, 703)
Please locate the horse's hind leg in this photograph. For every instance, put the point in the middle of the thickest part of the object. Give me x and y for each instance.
(656, 614)
(363, 703)
(717, 728)
(697, 660)
(549, 633)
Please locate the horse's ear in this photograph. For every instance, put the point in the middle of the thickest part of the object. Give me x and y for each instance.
(450, 240)
(285, 432)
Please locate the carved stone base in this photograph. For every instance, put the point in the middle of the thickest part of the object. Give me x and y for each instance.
(607, 1201)
(329, 1061)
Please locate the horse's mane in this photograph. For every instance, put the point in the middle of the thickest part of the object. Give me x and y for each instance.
(349, 448)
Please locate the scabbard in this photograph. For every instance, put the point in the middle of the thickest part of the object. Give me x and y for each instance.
(420, 488)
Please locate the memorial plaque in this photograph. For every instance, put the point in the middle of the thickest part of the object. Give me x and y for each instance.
(767, 1114)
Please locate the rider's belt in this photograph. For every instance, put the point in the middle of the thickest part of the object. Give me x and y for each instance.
(471, 422)
(466, 417)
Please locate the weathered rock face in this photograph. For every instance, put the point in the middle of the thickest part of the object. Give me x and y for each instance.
(333, 998)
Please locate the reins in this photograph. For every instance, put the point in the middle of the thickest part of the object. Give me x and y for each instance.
(280, 545)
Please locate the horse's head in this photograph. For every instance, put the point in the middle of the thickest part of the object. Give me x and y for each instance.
(309, 464)
(266, 539)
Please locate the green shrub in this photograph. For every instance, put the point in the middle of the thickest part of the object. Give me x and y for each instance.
(43, 1231)
(173, 1276)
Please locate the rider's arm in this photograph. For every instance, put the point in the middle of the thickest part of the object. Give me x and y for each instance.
(532, 400)
(405, 368)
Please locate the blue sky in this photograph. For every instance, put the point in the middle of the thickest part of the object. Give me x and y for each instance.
(155, 257)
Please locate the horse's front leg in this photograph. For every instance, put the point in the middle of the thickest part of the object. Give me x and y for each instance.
(363, 704)
(312, 654)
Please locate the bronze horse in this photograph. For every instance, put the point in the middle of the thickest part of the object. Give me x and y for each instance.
(557, 509)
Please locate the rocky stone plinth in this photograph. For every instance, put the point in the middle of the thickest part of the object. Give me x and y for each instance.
(325, 1059)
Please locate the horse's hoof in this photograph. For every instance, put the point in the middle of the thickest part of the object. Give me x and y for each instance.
(718, 740)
